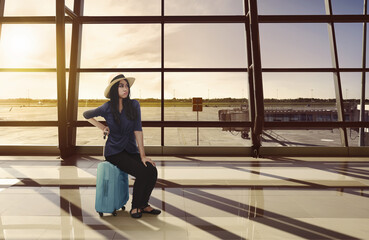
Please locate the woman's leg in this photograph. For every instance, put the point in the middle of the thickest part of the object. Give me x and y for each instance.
(145, 176)
(148, 176)
(152, 176)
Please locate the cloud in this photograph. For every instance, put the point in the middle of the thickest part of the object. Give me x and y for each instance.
(128, 45)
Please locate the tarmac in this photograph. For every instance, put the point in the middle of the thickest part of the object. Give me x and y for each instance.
(89, 136)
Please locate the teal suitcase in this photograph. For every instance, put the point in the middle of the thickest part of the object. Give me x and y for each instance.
(112, 190)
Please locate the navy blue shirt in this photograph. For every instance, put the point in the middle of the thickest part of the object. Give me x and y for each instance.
(121, 137)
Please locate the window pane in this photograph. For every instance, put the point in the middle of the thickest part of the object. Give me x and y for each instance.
(302, 138)
(92, 136)
(27, 46)
(295, 45)
(353, 137)
(351, 91)
(291, 7)
(207, 137)
(351, 86)
(299, 97)
(29, 8)
(304, 85)
(146, 90)
(205, 45)
(204, 7)
(347, 7)
(121, 46)
(28, 96)
(68, 45)
(69, 4)
(219, 92)
(122, 8)
(349, 44)
(47, 136)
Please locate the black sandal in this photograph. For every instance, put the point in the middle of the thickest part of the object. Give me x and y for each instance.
(136, 214)
(153, 211)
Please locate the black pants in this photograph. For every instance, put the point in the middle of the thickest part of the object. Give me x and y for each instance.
(145, 176)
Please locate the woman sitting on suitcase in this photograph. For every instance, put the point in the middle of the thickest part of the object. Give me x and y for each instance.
(123, 117)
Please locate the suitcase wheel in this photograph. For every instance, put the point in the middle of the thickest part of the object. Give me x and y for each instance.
(114, 213)
(123, 208)
(101, 214)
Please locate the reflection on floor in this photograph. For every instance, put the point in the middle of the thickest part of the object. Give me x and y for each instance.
(201, 198)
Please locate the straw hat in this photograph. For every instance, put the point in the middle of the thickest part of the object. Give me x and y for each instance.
(116, 78)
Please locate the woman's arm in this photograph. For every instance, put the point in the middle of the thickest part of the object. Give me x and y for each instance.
(141, 148)
(99, 125)
(90, 115)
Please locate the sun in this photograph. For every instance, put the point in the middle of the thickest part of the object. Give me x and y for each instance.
(17, 45)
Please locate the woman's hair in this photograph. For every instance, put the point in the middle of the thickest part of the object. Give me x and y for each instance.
(130, 111)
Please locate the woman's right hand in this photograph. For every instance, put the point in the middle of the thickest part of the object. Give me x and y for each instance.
(106, 131)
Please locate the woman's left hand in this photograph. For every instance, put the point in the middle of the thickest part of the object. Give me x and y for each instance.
(146, 159)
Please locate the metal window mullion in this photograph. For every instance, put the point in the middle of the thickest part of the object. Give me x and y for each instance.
(162, 75)
(257, 73)
(60, 72)
(363, 80)
(311, 18)
(251, 103)
(336, 74)
(73, 89)
(2, 5)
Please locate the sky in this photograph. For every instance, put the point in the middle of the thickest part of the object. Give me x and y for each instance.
(185, 45)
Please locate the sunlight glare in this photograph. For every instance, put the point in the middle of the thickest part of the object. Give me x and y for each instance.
(18, 44)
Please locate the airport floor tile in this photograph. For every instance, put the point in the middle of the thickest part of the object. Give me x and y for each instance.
(200, 198)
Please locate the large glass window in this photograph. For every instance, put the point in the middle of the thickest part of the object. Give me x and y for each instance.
(291, 7)
(122, 8)
(27, 46)
(347, 7)
(295, 87)
(349, 37)
(329, 137)
(289, 96)
(29, 8)
(217, 137)
(33, 136)
(121, 46)
(28, 96)
(295, 45)
(146, 89)
(220, 92)
(204, 7)
(205, 45)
